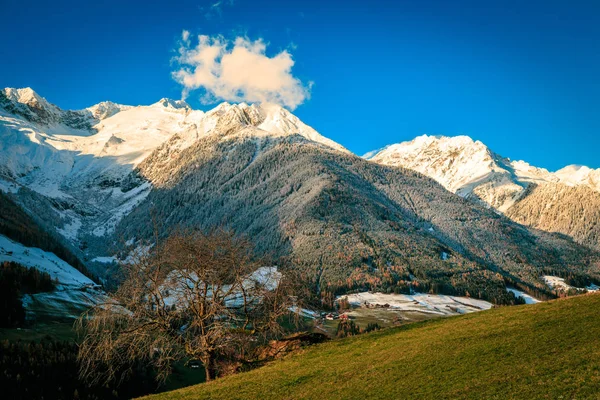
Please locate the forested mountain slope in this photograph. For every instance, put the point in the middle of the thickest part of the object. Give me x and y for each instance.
(19, 226)
(41, 277)
(346, 222)
(574, 211)
(105, 177)
(565, 201)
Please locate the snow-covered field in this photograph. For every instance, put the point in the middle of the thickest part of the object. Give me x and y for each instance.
(74, 294)
(33, 257)
(554, 282)
(419, 302)
(105, 260)
(62, 303)
(528, 299)
(304, 312)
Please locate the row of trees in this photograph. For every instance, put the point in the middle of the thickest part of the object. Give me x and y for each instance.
(347, 327)
(16, 281)
(49, 370)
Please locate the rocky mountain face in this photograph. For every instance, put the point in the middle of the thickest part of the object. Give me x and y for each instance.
(344, 222)
(565, 201)
(32, 107)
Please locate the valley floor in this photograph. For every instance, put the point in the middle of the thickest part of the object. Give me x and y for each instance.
(544, 350)
(389, 310)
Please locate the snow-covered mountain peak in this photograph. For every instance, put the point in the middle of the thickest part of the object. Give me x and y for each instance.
(25, 96)
(28, 103)
(441, 141)
(453, 161)
(574, 175)
(28, 97)
(527, 172)
(106, 109)
(56, 152)
(434, 146)
(574, 171)
(268, 119)
(469, 168)
(280, 121)
(234, 114)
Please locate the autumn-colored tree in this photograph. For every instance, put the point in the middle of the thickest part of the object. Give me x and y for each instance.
(191, 296)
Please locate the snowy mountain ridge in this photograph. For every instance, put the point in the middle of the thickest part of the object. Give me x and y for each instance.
(84, 159)
(470, 169)
(98, 179)
(566, 201)
(27, 104)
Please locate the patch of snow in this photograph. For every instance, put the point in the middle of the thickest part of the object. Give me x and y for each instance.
(528, 299)
(554, 282)
(137, 253)
(8, 187)
(557, 283)
(177, 287)
(105, 260)
(63, 302)
(592, 288)
(135, 197)
(269, 277)
(370, 154)
(304, 312)
(45, 261)
(420, 302)
(71, 229)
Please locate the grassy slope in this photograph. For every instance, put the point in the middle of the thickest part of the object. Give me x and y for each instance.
(545, 350)
(54, 330)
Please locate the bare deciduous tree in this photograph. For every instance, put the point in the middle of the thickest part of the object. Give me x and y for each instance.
(191, 296)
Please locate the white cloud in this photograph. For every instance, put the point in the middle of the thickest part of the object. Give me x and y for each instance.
(185, 35)
(238, 70)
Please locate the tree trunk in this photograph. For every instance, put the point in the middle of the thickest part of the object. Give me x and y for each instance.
(208, 373)
(209, 368)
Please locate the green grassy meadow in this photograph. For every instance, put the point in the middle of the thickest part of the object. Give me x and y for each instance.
(549, 350)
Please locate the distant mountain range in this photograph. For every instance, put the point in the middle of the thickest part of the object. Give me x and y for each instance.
(565, 201)
(103, 178)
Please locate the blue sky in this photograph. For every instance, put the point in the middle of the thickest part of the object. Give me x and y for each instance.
(521, 76)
